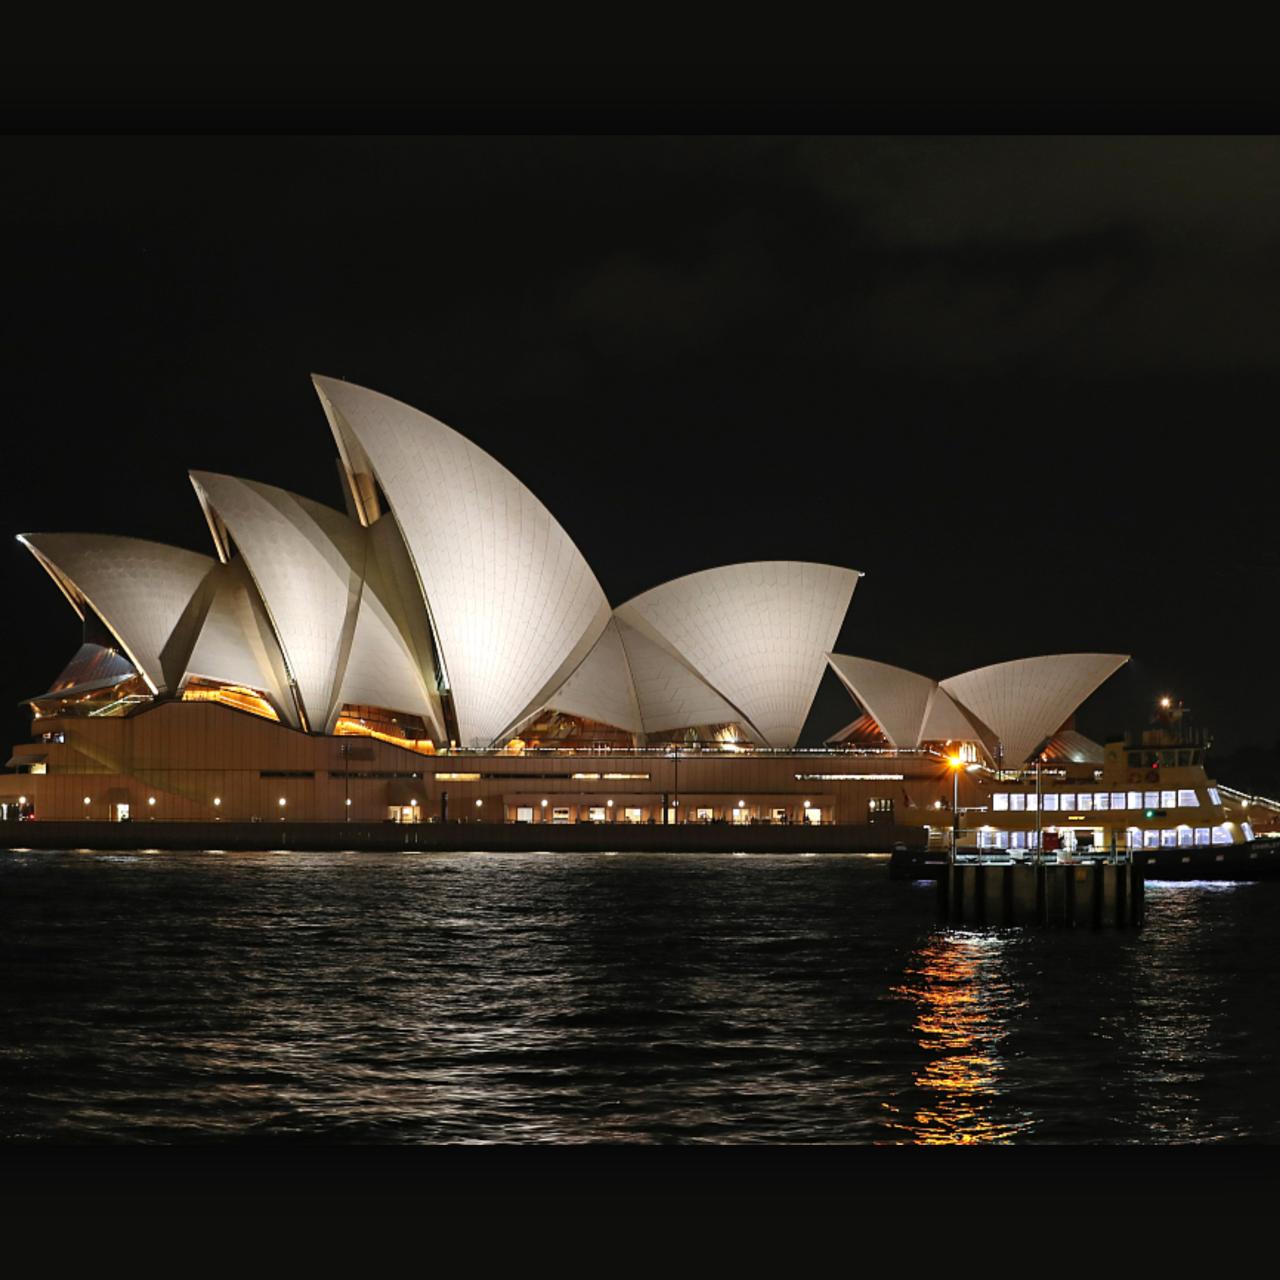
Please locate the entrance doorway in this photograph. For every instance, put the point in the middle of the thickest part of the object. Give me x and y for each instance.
(880, 811)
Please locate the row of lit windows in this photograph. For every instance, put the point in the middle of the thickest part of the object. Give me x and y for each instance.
(1183, 837)
(526, 777)
(1096, 801)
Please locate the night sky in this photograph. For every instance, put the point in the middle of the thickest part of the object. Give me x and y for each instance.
(1026, 384)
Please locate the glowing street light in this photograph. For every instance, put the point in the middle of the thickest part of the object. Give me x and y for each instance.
(956, 764)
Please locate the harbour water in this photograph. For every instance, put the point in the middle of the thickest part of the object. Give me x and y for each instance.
(584, 998)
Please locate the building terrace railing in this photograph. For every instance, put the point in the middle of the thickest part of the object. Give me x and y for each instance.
(840, 753)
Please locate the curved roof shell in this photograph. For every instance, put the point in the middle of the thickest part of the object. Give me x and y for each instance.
(1026, 701)
(947, 721)
(602, 687)
(308, 563)
(141, 590)
(390, 663)
(514, 606)
(909, 708)
(757, 634)
(236, 644)
(898, 699)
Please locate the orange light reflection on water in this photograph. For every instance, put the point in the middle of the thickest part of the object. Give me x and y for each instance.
(963, 999)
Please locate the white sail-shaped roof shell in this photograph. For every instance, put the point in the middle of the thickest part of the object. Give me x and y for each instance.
(944, 721)
(602, 687)
(141, 590)
(390, 662)
(670, 693)
(514, 605)
(896, 698)
(236, 645)
(1025, 701)
(308, 563)
(757, 633)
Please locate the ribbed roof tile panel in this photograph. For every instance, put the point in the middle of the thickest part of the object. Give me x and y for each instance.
(671, 695)
(601, 688)
(897, 698)
(757, 633)
(510, 595)
(1027, 700)
(308, 563)
(140, 589)
(390, 664)
(945, 722)
(236, 645)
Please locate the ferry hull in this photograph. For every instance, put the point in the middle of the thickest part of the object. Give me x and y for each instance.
(1253, 860)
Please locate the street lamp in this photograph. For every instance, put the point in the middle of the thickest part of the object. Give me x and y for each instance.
(956, 764)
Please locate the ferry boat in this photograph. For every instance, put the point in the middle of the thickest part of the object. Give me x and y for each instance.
(1150, 799)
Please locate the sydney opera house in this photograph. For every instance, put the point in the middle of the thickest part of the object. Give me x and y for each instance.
(440, 650)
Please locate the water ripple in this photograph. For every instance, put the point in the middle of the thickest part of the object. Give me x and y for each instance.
(411, 998)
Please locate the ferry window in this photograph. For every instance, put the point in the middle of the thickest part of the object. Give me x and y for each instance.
(1214, 797)
(560, 815)
(1067, 801)
(1184, 837)
(1150, 799)
(631, 815)
(1033, 801)
(596, 813)
(1150, 839)
(704, 815)
(1135, 800)
(1084, 801)
(1168, 799)
(986, 839)
(524, 813)
(1247, 828)
(1169, 838)
(1221, 835)
(1202, 835)
(1051, 802)
(1002, 839)
(1018, 802)
(1134, 836)
(1187, 800)
(1117, 800)
(1102, 800)
(1018, 840)
(1000, 801)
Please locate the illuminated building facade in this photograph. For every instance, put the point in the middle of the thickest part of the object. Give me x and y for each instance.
(441, 649)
